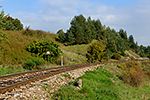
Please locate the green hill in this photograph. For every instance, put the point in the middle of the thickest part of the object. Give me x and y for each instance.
(15, 51)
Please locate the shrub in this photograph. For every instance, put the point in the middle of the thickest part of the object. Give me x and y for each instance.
(116, 56)
(132, 74)
(146, 67)
(122, 66)
(32, 64)
(95, 51)
(39, 49)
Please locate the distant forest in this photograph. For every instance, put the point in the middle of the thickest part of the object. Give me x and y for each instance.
(83, 31)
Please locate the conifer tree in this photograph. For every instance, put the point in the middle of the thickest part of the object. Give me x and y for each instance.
(123, 35)
(92, 28)
(98, 27)
(61, 36)
(87, 34)
(77, 28)
(70, 37)
(131, 42)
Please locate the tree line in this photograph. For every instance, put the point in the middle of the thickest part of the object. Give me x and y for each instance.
(83, 31)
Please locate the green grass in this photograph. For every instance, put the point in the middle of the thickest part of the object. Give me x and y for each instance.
(76, 52)
(78, 59)
(98, 85)
(78, 49)
(15, 51)
(11, 70)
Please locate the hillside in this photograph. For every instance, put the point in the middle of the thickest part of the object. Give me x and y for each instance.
(15, 51)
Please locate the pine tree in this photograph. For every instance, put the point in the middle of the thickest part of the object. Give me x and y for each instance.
(123, 35)
(98, 27)
(131, 42)
(92, 28)
(78, 25)
(61, 36)
(87, 34)
(70, 37)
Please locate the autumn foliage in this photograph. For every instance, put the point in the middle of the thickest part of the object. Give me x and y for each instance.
(132, 73)
(95, 51)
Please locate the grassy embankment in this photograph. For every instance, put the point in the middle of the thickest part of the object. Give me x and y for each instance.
(15, 52)
(107, 84)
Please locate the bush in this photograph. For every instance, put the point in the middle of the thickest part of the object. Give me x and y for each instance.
(146, 67)
(116, 56)
(132, 74)
(95, 51)
(122, 66)
(39, 48)
(32, 64)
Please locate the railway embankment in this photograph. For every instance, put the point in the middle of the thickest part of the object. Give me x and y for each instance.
(43, 88)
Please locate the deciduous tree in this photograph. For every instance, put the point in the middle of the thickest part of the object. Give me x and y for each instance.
(95, 51)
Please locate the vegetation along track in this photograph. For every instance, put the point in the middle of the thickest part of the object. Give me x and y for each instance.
(9, 82)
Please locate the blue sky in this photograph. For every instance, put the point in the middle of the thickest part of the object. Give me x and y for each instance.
(52, 15)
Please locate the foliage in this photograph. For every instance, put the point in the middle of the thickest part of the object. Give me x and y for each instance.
(146, 68)
(95, 51)
(80, 30)
(83, 31)
(8, 23)
(116, 56)
(144, 51)
(123, 35)
(70, 37)
(132, 74)
(39, 49)
(32, 64)
(61, 35)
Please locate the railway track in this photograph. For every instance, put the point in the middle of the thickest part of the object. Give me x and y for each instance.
(9, 82)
